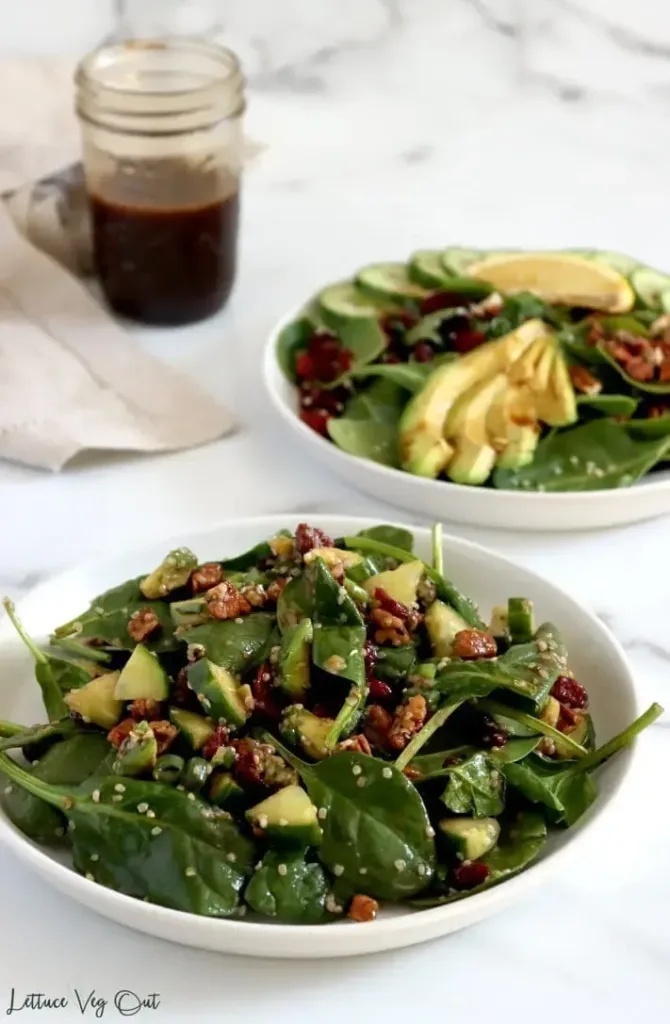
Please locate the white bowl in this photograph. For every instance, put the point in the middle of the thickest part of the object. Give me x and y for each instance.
(596, 658)
(476, 506)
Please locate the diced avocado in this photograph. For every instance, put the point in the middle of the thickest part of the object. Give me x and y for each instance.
(138, 752)
(442, 624)
(513, 427)
(499, 625)
(301, 728)
(288, 817)
(401, 584)
(195, 774)
(294, 659)
(195, 728)
(580, 734)
(191, 612)
(223, 790)
(423, 448)
(172, 573)
(465, 430)
(551, 712)
(142, 677)
(521, 619)
(334, 556)
(470, 838)
(224, 757)
(219, 692)
(95, 701)
(168, 769)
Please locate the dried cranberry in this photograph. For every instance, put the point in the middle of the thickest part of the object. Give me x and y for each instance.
(436, 301)
(321, 711)
(379, 690)
(370, 656)
(219, 738)
(265, 694)
(309, 537)
(332, 401)
(467, 340)
(390, 605)
(390, 358)
(397, 321)
(304, 366)
(423, 352)
(317, 420)
(328, 358)
(467, 876)
(569, 692)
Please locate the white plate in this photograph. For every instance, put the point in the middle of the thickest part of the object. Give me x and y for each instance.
(595, 655)
(476, 506)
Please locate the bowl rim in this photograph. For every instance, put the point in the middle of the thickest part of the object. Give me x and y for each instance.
(316, 940)
(273, 375)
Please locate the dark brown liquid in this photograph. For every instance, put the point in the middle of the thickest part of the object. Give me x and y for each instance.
(165, 266)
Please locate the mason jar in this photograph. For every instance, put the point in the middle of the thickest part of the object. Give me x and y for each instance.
(162, 152)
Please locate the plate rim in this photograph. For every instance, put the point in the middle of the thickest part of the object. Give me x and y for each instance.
(314, 941)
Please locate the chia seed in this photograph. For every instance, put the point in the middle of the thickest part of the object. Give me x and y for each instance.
(142, 808)
(119, 788)
(95, 796)
(356, 769)
(156, 831)
(232, 857)
(338, 869)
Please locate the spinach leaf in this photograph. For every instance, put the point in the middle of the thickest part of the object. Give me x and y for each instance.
(515, 750)
(364, 338)
(375, 822)
(292, 338)
(235, 645)
(296, 602)
(590, 457)
(476, 787)
(289, 889)
(395, 535)
(435, 765)
(339, 650)
(521, 839)
(107, 619)
(409, 376)
(565, 792)
(68, 763)
(526, 671)
(649, 429)
(369, 426)
(55, 676)
(519, 308)
(150, 840)
(331, 605)
(609, 405)
(250, 559)
(35, 735)
(394, 664)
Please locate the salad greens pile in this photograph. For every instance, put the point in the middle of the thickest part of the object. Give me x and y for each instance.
(306, 729)
(431, 368)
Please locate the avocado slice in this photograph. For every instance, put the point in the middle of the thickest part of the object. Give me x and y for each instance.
(521, 619)
(470, 838)
(465, 429)
(424, 450)
(442, 624)
(138, 753)
(142, 677)
(96, 701)
(288, 817)
(334, 556)
(512, 426)
(172, 573)
(219, 692)
(557, 405)
(301, 728)
(401, 584)
(196, 729)
(294, 659)
(191, 612)
(223, 790)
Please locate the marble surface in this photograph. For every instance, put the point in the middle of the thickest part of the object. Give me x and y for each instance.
(390, 125)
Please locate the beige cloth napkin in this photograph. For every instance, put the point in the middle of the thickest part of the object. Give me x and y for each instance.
(71, 378)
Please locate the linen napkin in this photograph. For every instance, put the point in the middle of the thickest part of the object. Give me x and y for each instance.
(71, 377)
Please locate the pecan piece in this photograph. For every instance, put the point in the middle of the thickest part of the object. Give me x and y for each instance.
(362, 908)
(142, 624)
(640, 368)
(359, 744)
(165, 733)
(583, 380)
(275, 588)
(378, 723)
(117, 735)
(391, 629)
(145, 710)
(474, 643)
(255, 594)
(226, 602)
(407, 720)
(206, 576)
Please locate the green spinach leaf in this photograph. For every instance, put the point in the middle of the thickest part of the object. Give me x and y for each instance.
(235, 645)
(609, 405)
(289, 889)
(565, 792)
(650, 429)
(369, 426)
(250, 559)
(292, 338)
(107, 620)
(476, 787)
(409, 376)
(398, 536)
(339, 651)
(395, 664)
(596, 455)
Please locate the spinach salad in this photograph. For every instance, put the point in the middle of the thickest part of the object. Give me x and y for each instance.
(306, 729)
(523, 371)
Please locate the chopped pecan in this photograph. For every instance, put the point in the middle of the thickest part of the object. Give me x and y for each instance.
(412, 773)
(407, 720)
(583, 380)
(275, 588)
(391, 628)
(362, 908)
(255, 594)
(657, 410)
(143, 709)
(165, 733)
(474, 643)
(309, 537)
(142, 624)
(377, 726)
(640, 368)
(206, 576)
(664, 373)
(226, 602)
(117, 735)
(358, 743)
(596, 333)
